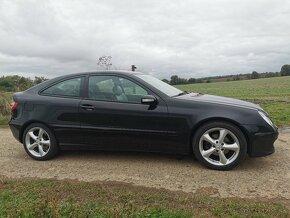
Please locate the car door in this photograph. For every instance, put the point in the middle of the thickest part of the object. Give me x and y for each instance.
(59, 107)
(113, 118)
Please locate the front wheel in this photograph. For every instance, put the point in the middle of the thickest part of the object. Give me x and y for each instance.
(39, 142)
(219, 145)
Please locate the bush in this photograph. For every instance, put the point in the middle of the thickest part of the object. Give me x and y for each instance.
(5, 108)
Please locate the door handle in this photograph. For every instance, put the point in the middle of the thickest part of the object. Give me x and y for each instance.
(87, 107)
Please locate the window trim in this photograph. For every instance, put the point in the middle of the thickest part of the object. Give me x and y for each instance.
(81, 96)
(86, 90)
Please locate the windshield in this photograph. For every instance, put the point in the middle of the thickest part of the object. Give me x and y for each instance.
(160, 85)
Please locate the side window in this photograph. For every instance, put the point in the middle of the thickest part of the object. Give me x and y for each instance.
(131, 88)
(70, 87)
(114, 88)
(101, 88)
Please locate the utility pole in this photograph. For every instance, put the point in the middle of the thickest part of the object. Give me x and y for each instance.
(133, 67)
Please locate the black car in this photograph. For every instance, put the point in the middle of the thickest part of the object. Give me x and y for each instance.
(119, 110)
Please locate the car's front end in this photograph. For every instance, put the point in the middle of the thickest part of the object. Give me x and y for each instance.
(261, 136)
(253, 120)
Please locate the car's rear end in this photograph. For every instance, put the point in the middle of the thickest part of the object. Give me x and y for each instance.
(16, 121)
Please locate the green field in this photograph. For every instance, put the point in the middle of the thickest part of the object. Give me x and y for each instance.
(273, 94)
(52, 198)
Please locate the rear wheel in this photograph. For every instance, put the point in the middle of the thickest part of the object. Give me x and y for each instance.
(219, 145)
(39, 142)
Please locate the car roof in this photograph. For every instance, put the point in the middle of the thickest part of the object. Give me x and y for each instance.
(121, 72)
(101, 72)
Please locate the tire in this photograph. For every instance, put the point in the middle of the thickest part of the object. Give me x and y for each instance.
(219, 145)
(39, 142)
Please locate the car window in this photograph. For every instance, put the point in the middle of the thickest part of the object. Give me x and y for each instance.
(114, 88)
(160, 85)
(70, 87)
(131, 88)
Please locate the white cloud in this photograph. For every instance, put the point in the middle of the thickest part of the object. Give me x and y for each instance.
(192, 38)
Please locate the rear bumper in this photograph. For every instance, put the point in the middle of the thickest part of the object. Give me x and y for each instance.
(15, 129)
(262, 143)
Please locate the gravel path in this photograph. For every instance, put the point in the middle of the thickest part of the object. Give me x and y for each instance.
(266, 177)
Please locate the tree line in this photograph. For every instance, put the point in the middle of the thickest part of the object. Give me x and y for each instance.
(17, 83)
(176, 80)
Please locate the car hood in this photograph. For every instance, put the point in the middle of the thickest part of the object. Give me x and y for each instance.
(219, 100)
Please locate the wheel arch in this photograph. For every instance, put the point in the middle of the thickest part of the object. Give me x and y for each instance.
(23, 128)
(218, 119)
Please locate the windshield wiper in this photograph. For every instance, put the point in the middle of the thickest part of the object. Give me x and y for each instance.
(181, 93)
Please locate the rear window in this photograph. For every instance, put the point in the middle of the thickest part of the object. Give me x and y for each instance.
(70, 87)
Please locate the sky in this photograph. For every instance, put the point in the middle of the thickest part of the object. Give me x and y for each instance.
(190, 38)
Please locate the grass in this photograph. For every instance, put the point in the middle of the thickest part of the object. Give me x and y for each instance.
(3, 120)
(52, 198)
(273, 94)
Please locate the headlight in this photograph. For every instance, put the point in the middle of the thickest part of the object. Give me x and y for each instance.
(266, 118)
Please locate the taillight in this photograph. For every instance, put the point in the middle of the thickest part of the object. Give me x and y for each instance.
(14, 106)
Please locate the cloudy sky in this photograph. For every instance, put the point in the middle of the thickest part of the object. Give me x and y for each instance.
(191, 38)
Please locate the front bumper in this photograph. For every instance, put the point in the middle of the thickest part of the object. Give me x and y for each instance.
(261, 142)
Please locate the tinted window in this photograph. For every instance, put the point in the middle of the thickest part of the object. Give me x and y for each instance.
(70, 87)
(114, 88)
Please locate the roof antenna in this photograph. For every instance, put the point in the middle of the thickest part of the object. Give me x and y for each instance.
(133, 67)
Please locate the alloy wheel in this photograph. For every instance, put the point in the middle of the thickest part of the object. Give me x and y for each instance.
(37, 142)
(219, 146)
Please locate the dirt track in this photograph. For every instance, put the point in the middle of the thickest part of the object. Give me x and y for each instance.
(255, 178)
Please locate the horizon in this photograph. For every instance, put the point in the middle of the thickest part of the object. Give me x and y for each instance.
(168, 78)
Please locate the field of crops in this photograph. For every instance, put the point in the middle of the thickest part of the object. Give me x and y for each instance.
(273, 94)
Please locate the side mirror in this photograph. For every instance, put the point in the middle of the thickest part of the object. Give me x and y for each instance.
(148, 99)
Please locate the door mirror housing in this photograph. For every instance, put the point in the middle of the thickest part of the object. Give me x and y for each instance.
(149, 100)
